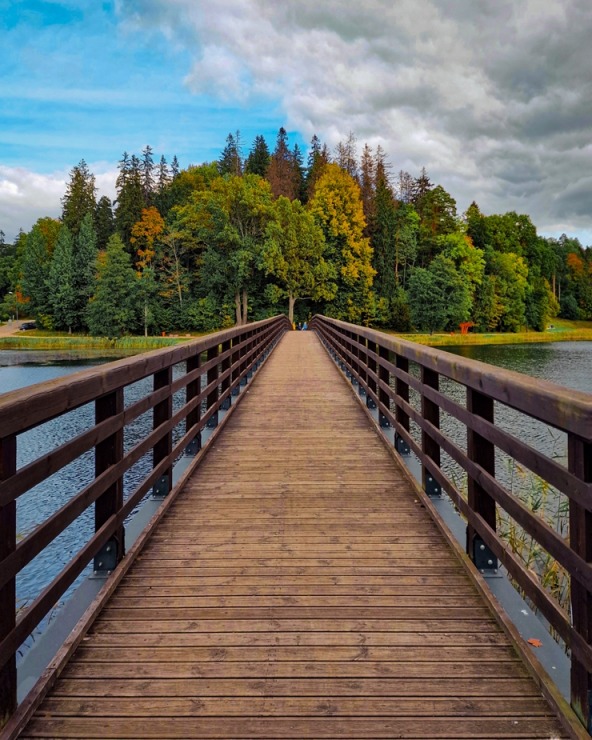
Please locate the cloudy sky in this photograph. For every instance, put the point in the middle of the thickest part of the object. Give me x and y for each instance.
(493, 97)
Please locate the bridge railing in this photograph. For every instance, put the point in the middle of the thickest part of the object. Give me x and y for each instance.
(388, 369)
(224, 361)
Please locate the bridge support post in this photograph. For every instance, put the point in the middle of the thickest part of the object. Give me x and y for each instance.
(192, 391)
(213, 395)
(482, 452)
(383, 397)
(579, 454)
(430, 412)
(108, 453)
(402, 391)
(8, 679)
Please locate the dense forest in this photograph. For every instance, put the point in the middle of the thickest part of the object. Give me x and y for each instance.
(247, 237)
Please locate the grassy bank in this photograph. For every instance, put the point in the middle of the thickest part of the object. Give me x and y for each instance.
(561, 330)
(38, 340)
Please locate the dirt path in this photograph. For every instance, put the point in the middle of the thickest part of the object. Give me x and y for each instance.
(11, 327)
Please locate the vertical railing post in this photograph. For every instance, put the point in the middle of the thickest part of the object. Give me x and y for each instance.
(163, 448)
(213, 395)
(236, 371)
(354, 350)
(579, 457)
(482, 452)
(244, 349)
(371, 362)
(402, 391)
(8, 680)
(108, 453)
(383, 397)
(430, 411)
(225, 365)
(192, 391)
(250, 345)
(363, 363)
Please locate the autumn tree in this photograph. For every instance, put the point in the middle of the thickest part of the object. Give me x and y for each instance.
(337, 207)
(280, 172)
(292, 253)
(144, 234)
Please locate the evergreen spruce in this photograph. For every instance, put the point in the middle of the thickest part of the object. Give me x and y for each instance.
(112, 309)
(103, 221)
(258, 159)
(62, 297)
(80, 197)
(85, 256)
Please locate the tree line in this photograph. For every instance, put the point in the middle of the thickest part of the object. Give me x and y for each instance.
(246, 237)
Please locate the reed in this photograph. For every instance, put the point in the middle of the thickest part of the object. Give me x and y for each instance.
(41, 341)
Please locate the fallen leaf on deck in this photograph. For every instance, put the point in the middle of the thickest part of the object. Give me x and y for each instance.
(534, 642)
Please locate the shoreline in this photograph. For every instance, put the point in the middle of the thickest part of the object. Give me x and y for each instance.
(459, 340)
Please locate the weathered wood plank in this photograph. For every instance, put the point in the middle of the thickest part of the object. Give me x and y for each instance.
(254, 728)
(296, 589)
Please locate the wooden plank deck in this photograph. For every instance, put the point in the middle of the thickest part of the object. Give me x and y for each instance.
(296, 589)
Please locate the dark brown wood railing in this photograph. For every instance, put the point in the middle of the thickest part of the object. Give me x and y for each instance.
(226, 359)
(387, 369)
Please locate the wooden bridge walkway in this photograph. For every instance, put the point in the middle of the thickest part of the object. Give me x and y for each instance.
(296, 588)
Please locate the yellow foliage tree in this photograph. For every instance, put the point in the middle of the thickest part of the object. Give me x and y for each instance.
(145, 232)
(337, 208)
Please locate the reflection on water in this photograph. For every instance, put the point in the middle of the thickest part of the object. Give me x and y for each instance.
(564, 363)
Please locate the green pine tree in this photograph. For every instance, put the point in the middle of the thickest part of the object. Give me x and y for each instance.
(85, 256)
(80, 197)
(112, 310)
(60, 282)
(258, 159)
(34, 269)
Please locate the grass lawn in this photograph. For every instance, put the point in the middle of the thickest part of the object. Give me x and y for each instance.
(44, 340)
(560, 330)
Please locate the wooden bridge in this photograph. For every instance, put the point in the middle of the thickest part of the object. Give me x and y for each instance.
(296, 582)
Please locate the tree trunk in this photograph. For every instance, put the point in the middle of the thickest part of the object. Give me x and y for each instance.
(291, 302)
(145, 319)
(237, 305)
(245, 306)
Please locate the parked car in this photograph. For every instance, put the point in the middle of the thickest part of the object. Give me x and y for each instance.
(28, 325)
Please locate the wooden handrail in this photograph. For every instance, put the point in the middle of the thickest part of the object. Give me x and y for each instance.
(231, 356)
(380, 364)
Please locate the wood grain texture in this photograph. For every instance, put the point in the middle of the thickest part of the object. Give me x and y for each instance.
(296, 589)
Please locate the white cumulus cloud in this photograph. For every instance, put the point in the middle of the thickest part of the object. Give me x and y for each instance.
(26, 195)
(493, 97)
